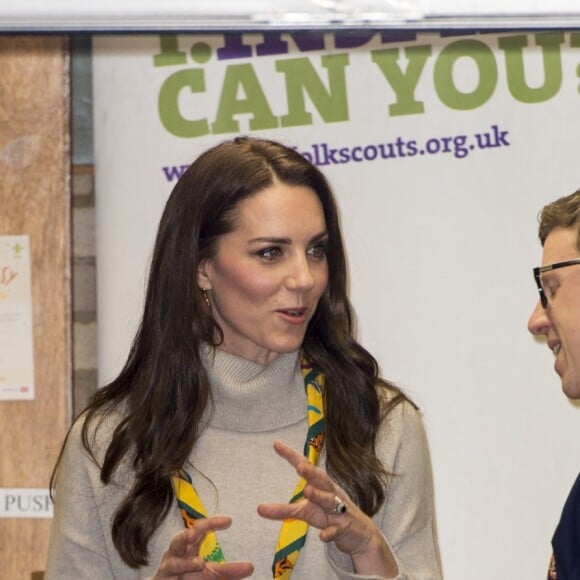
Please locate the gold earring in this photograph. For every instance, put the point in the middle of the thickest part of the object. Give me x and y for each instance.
(205, 297)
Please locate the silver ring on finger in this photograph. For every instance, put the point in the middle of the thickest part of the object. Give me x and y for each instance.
(339, 506)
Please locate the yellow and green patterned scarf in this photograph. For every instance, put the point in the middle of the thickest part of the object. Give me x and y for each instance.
(292, 532)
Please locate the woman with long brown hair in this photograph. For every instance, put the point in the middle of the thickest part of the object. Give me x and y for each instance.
(245, 394)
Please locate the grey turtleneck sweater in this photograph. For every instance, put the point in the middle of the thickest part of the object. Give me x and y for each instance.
(235, 469)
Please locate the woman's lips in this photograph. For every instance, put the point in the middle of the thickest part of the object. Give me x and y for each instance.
(293, 315)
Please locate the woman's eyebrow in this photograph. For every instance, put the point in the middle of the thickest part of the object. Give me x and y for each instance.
(276, 240)
(270, 240)
(320, 236)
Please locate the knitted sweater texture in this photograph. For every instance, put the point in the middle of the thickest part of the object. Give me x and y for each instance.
(234, 468)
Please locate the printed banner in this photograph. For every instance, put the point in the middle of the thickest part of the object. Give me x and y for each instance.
(441, 150)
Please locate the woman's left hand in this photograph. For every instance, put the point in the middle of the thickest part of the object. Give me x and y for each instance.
(352, 531)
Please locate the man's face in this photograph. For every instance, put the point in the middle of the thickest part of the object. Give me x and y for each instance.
(559, 322)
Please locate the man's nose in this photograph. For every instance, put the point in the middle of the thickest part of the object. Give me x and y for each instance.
(539, 321)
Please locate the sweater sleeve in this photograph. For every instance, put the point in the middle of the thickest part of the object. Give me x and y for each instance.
(408, 520)
(407, 517)
(77, 548)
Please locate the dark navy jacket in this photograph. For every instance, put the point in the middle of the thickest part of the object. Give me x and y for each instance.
(566, 540)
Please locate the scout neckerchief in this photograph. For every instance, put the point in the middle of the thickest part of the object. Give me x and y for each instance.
(292, 532)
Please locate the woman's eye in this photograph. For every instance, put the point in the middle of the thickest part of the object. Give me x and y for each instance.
(270, 254)
(318, 251)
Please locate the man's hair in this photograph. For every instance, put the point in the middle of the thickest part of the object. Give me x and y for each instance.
(562, 213)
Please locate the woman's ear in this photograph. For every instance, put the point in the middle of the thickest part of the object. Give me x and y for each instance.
(203, 277)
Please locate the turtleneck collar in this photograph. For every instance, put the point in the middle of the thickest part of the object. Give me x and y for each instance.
(250, 397)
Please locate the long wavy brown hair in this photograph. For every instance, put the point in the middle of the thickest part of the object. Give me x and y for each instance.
(164, 387)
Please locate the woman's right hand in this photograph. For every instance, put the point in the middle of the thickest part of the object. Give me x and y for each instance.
(183, 562)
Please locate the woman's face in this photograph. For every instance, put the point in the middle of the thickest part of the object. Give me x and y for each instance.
(269, 272)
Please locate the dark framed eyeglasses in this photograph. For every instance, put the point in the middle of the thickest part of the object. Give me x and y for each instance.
(539, 270)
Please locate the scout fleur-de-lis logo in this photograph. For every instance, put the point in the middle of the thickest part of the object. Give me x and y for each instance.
(317, 442)
(283, 566)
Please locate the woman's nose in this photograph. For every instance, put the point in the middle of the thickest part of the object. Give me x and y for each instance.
(539, 321)
(300, 277)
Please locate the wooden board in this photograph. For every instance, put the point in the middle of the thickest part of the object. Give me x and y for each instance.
(35, 201)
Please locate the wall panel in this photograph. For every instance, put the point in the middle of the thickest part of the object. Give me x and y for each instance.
(35, 201)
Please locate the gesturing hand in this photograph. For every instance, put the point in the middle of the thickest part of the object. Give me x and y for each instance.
(182, 560)
(352, 531)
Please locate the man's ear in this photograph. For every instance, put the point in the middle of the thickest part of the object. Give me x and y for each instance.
(203, 277)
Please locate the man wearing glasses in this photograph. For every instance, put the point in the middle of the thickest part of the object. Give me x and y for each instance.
(557, 317)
